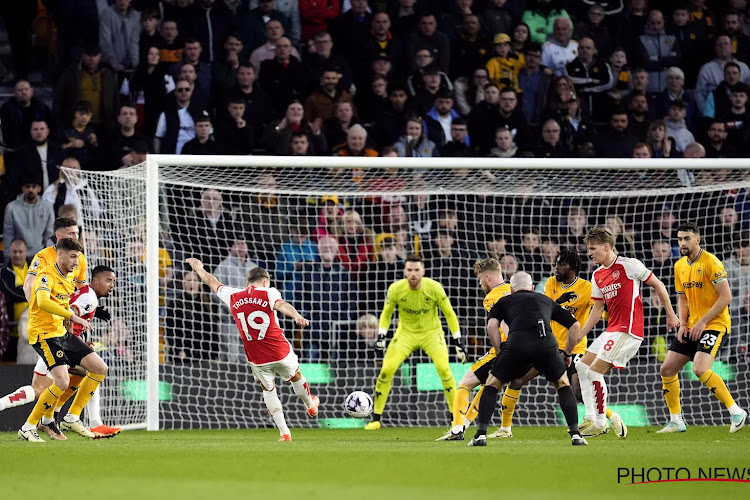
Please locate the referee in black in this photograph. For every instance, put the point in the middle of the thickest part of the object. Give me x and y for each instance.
(530, 344)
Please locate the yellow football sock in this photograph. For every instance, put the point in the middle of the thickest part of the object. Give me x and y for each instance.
(75, 383)
(474, 407)
(671, 388)
(508, 405)
(84, 393)
(608, 412)
(717, 387)
(46, 401)
(461, 404)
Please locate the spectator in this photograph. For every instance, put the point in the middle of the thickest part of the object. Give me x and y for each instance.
(509, 265)
(265, 218)
(504, 65)
(203, 143)
(322, 57)
(258, 109)
(389, 119)
(72, 189)
(12, 275)
(350, 32)
(149, 36)
(468, 91)
(125, 137)
(560, 49)
(563, 91)
(201, 98)
(148, 88)
(615, 141)
(691, 40)
(234, 135)
(191, 54)
(541, 19)
(277, 135)
(592, 77)
(594, 28)
(355, 242)
(737, 119)
(209, 23)
(79, 139)
(224, 70)
(328, 217)
(439, 118)
(329, 299)
(623, 239)
(712, 73)
(496, 18)
(119, 34)
(291, 10)
(718, 103)
(87, 80)
(428, 37)
(356, 143)
(575, 229)
(189, 335)
(321, 102)
(738, 274)
(404, 17)
(297, 252)
(315, 16)
(425, 60)
(176, 125)
(415, 142)
(460, 145)
(530, 257)
(550, 146)
(535, 81)
(29, 217)
(664, 227)
(640, 116)
(336, 128)
(469, 50)
(659, 260)
(16, 115)
(618, 61)
(252, 24)
(717, 145)
(300, 145)
(19, 18)
(732, 27)
(274, 32)
(424, 96)
(721, 231)
(512, 118)
(676, 126)
(39, 157)
(504, 147)
(379, 275)
(641, 150)
(675, 90)
(575, 129)
(486, 115)
(170, 44)
(450, 265)
(661, 145)
(656, 51)
(284, 77)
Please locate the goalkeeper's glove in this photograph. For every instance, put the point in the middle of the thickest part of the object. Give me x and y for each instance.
(562, 299)
(381, 342)
(102, 314)
(460, 344)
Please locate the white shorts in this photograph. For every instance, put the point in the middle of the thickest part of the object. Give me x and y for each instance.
(286, 368)
(40, 368)
(616, 348)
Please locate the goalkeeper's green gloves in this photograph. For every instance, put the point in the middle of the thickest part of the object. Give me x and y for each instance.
(381, 342)
(460, 345)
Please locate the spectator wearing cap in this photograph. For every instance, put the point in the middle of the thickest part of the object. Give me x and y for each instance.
(717, 103)
(675, 89)
(252, 23)
(87, 80)
(203, 143)
(559, 50)
(592, 78)
(322, 56)
(330, 212)
(119, 34)
(656, 51)
(176, 125)
(321, 102)
(504, 65)
(428, 37)
(424, 97)
(439, 118)
(541, 19)
(29, 217)
(39, 157)
(737, 119)
(383, 42)
(676, 126)
(469, 49)
(382, 66)
(234, 134)
(712, 73)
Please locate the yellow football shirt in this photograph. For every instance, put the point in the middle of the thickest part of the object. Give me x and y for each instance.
(48, 256)
(696, 281)
(491, 298)
(43, 325)
(579, 305)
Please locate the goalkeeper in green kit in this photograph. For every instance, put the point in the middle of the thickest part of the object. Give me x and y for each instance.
(419, 327)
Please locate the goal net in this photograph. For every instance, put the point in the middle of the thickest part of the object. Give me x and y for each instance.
(333, 232)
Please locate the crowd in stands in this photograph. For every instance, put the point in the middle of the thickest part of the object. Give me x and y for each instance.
(416, 78)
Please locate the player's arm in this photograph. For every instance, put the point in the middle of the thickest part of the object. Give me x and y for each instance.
(46, 304)
(385, 318)
(288, 310)
(452, 320)
(206, 277)
(28, 286)
(722, 301)
(493, 332)
(673, 322)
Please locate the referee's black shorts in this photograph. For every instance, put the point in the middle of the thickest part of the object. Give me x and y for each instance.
(525, 351)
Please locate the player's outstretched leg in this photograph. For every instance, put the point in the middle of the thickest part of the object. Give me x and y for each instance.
(271, 399)
(302, 390)
(19, 397)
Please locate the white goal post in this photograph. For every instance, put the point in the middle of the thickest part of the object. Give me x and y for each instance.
(167, 382)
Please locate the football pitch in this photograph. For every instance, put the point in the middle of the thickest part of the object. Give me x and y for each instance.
(393, 463)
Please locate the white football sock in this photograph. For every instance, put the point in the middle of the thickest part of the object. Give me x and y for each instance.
(302, 390)
(599, 387)
(19, 397)
(587, 390)
(274, 408)
(93, 409)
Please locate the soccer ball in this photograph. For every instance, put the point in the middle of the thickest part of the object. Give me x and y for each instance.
(358, 404)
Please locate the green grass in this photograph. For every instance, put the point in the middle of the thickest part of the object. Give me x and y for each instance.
(392, 463)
